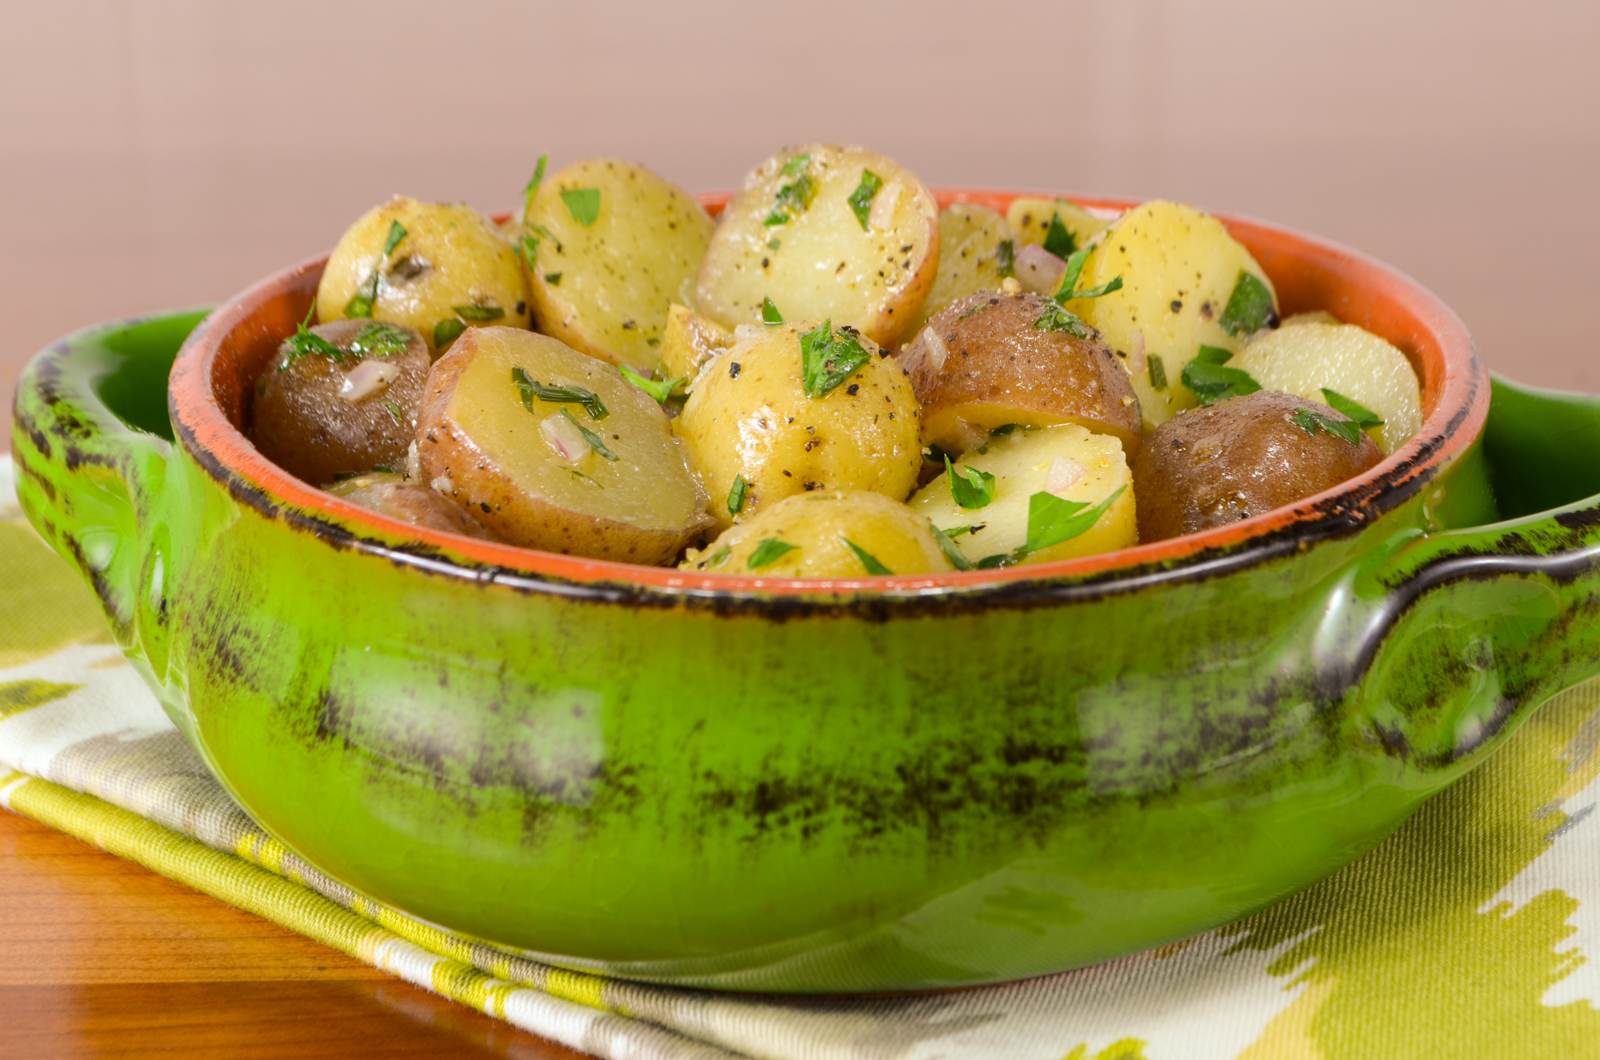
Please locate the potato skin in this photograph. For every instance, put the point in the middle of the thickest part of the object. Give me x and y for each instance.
(818, 524)
(603, 288)
(409, 502)
(450, 256)
(883, 272)
(750, 415)
(478, 445)
(1236, 459)
(1001, 368)
(970, 238)
(300, 423)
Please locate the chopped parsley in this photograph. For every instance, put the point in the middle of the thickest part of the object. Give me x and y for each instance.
(1211, 380)
(1363, 416)
(478, 314)
(529, 388)
(768, 552)
(307, 343)
(1068, 288)
(970, 487)
(660, 389)
(380, 340)
(828, 357)
(737, 494)
(1055, 318)
(957, 531)
(1052, 519)
(532, 187)
(794, 197)
(361, 303)
(1057, 240)
(769, 312)
(589, 436)
(530, 250)
(796, 165)
(957, 558)
(553, 279)
(716, 558)
(447, 331)
(397, 232)
(868, 560)
(1005, 258)
(1315, 422)
(774, 243)
(1158, 371)
(396, 413)
(582, 203)
(861, 199)
(1249, 307)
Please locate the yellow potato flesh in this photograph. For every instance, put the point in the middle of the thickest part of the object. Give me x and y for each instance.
(969, 255)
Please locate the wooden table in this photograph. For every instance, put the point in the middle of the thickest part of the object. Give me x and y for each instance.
(100, 956)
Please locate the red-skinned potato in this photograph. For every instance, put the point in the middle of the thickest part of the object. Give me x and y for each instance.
(409, 502)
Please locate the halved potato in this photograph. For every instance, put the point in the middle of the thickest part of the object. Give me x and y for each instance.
(608, 246)
(409, 502)
(828, 233)
(434, 267)
(1239, 458)
(1307, 356)
(341, 399)
(551, 448)
(750, 419)
(992, 359)
(1180, 270)
(688, 342)
(828, 534)
(1031, 218)
(976, 250)
(1065, 461)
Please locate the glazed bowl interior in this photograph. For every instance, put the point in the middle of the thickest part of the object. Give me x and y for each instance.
(211, 388)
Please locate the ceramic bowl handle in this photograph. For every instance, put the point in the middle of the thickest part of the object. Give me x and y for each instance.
(90, 437)
(1479, 622)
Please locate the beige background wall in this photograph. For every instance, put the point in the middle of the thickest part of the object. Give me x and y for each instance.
(158, 153)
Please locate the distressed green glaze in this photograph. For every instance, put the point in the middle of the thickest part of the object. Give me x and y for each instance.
(834, 795)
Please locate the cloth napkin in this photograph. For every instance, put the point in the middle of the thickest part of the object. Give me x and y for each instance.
(1469, 933)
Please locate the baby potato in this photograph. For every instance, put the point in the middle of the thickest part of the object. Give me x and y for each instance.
(989, 360)
(1065, 462)
(1186, 283)
(1055, 224)
(551, 448)
(807, 208)
(752, 421)
(689, 342)
(409, 502)
(608, 246)
(436, 268)
(976, 251)
(340, 399)
(1306, 357)
(825, 534)
(1239, 458)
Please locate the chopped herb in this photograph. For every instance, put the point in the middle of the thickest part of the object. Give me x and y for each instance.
(868, 560)
(553, 279)
(529, 388)
(1249, 307)
(530, 250)
(532, 187)
(447, 331)
(1057, 240)
(796, 165)
(380, 340)
(768, 552)
(660, 389)
(861, 199)
(1052, 519)
(957, 531)
(737, 494)
(1158, 371)
(307, 343)
(1312, 422)
(769, 312)
(1067, 290)
(794, 197)
(1005, 258)
(395, 412)
(360, 304)
(1363, 416)
(582, 203)
(590, 437)
(970, 487)
(716, 558)
(397, 232)
(478, 314)
(1211, 380)
(828, 358)
(957, 559)
(1055, 318)
(774, 243)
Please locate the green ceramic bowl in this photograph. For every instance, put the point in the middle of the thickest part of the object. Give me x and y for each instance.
(893, 784)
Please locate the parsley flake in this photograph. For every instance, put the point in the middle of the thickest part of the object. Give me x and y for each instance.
(737, 493)
(478, 314)
(396, 413)
(768, 552)
(591, 438)
(796, 165)
(1055, 318)
(1005, 258)
(529, 388)
(1315, 422)
(1158, 371)
(397, 232)
(957, 558)
(530, 250)
(582, 203)
(447, 331)
(868, 560)
(970, 487)
(828, 358)
(307, 343)
(769, 312)
(1211, 380)
(660, 389)
(861, 199)
(553, 279)
(532, 187)
(380, 340)
(1052, 519)
(1249, 307)
(1057, 240)
(1351, 408)
(794, 197)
